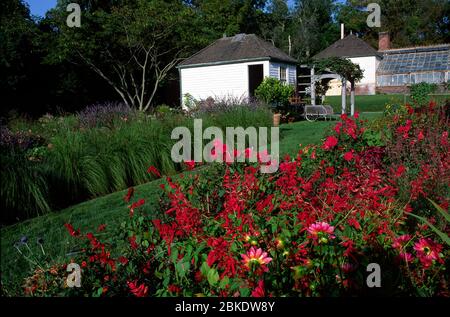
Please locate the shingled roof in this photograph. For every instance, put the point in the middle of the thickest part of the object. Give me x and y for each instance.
(349, 46)
(241, 47)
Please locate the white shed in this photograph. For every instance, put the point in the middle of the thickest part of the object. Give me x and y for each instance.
(233, 67)
(360, 53)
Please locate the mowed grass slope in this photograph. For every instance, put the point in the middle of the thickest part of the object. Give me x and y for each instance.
(110, 210)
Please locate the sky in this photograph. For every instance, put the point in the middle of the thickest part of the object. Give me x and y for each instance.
(40, 7)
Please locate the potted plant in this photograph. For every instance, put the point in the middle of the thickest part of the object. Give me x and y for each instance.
(274, 93)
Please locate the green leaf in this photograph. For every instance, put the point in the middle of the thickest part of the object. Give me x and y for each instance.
(224, 282)
(245, 292)
(189, 250)
(174, 255)
(204, 269)
(441, 234)
(99, 292)
(274, 227)
(213, 277)
(441, 210)
(182, 268)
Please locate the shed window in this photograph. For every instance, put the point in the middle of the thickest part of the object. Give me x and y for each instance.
(283, 72)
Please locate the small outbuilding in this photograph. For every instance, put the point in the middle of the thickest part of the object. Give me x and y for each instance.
(360, 53)
(233, 67)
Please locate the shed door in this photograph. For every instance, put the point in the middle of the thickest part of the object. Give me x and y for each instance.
(255, 78)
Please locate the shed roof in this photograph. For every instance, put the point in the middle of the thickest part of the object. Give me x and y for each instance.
(349, 46)
(238, 48)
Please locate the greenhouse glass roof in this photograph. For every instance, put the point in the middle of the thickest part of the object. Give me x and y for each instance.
(419, 59)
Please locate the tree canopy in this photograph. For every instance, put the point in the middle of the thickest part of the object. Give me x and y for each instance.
(127, 49)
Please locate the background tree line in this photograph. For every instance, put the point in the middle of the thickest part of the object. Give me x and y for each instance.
(127, 49)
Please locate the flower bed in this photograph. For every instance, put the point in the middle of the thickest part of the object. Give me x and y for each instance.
(311, 229)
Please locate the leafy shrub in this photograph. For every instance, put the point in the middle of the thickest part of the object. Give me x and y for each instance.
(417, 148)
(23, 191)
(162, 111)
(273, 92)
(419, 92)
(189, 101)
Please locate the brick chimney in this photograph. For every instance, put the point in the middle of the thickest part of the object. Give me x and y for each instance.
(384, 41)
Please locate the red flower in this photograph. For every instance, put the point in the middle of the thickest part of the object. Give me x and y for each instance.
(190, 165)
(123, 260)
(330, 142)
(256, 256)
(348, 156)
(321, 231)
(428, 251)
(404, 129)
(444, 138)
(174, 289)
(420, 137)
(400, 170)
(405, 256)
(101, 228)
(133, 243)
(354, 223)
(71, 230)
(400, 241)
(153, 170)
(329, 170)
(338, 127)
(432, 105)
(263, 156)
(409, 109)
(137, 290)
(356, 115)
(259, 290)
(135, 205)
(129, 195)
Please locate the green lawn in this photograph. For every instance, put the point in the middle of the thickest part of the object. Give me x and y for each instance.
(304, 132)
(109, 210)
(374, 102)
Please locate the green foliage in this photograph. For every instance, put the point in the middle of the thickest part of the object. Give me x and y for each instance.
(240, 116)
(24, 189)
(405, 20)
(273, 92)
(77, 163)
(444, 236)
(341, 66)
(242, 232)
(41, 68)
(419, 92)
(189, 101)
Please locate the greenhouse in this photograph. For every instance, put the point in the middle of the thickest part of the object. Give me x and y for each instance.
(400, 67)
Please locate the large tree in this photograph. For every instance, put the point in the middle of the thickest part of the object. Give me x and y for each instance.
(409, 22)
(313, 27)
(18, 44)
(276, 24)
(131, 45)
